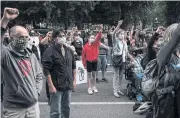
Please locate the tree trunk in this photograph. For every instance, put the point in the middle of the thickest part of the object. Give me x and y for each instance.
(66, 20)
(135, 22)
(143, 24)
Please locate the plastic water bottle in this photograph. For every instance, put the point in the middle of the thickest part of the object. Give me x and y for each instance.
(139, 97)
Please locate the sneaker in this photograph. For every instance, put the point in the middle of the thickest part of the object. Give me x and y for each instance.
(121, 93)
(97, 80)
(116, 95)
(104, 80)
(90, 92)
(95, 90)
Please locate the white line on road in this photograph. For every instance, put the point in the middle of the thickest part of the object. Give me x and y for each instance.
(96, 103)
(107, 71)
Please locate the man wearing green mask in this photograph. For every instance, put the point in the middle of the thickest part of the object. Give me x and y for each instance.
(22, 73)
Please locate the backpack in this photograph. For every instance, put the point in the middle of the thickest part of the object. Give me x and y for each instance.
(151, 78)
(166, 97)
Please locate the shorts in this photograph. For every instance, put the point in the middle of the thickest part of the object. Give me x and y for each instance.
(91, 66)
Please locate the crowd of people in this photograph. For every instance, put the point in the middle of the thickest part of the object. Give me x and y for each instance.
(27, 60)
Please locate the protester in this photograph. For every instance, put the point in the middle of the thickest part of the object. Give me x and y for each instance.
(85, 36)
(77, 43)
(80, 38)
(24, 73)
(120, 51)
(133, 38)
(60, 68)
(45, 43)
(168, 59)
(152, 47)
(89, 58)
(110, 44)
(69, 44)
(102, 59)
(34, 44)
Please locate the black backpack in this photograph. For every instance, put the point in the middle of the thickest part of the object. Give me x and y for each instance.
(166, 98)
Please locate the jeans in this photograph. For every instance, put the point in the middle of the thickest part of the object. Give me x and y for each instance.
(102, 62)
(32, 112)
(47, 90)
(60, 104)
(138, 80)
(110, 51)
(118, 76)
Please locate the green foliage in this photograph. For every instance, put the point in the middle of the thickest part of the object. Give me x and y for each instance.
(108, 12)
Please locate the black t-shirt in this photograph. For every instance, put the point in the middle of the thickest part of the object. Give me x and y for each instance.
(110, 43)
(78, 46)
(128, 42)
(43, 47)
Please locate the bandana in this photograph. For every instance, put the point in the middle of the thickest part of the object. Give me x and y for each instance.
(20, 44)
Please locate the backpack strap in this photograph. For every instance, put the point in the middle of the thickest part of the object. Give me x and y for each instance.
(163, 91)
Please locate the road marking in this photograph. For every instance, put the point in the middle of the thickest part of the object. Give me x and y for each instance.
(107, 71)
(96, 103)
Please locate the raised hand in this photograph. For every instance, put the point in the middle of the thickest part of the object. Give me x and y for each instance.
(10, 13)
(159, 29)
(120, 22)
(101, 27)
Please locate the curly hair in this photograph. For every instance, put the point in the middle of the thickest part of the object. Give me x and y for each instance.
(168, 34)
(169, 31)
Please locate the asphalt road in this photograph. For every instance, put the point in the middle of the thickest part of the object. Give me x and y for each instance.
(100, 105)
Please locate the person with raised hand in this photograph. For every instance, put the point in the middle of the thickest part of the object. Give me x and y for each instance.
(90, 58)
(22, 73)
(120, 51)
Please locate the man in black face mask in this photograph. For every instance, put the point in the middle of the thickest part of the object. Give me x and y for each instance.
(22, 73)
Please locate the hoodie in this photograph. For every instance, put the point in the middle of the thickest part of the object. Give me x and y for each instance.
(22, 77)
(91, 52)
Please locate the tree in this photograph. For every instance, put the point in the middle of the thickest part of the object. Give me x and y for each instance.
(173, 12)
(106, 12)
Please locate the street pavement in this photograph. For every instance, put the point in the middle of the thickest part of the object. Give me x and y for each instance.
(100, 105)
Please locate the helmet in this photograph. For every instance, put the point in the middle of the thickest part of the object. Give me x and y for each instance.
(141, 108)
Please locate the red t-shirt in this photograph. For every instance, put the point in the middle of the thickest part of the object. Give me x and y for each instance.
(91, 52)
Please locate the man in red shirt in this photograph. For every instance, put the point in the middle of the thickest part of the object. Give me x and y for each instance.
(89, 58)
